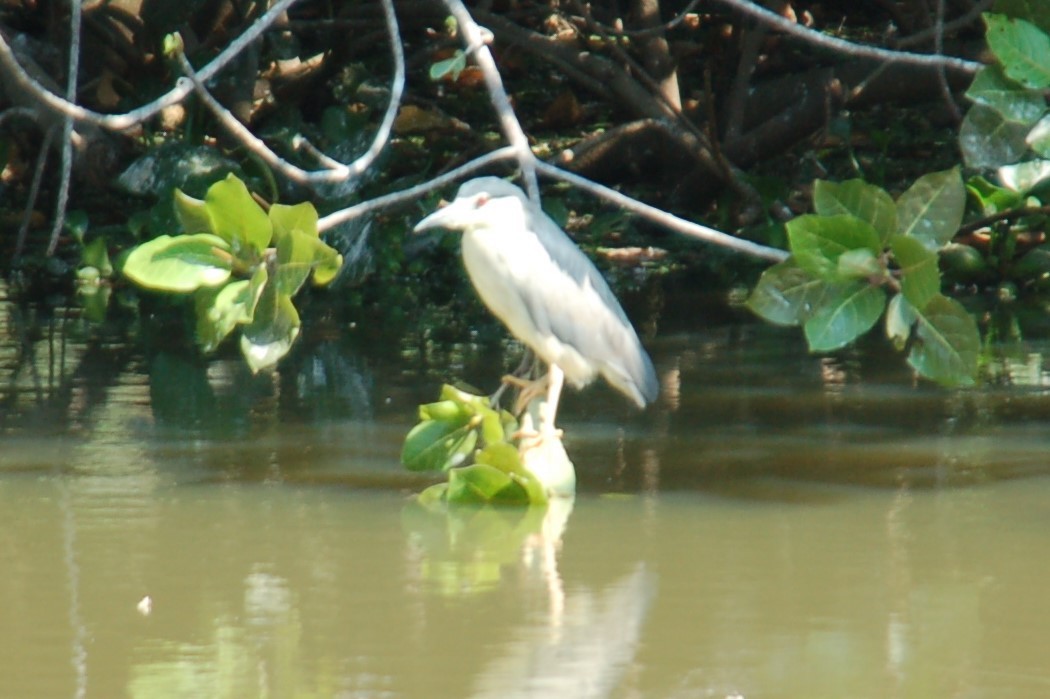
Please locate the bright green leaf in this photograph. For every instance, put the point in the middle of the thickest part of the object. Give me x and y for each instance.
(300, 217)
(235, 217)
(816, 242)
(1022, 48)
(450, 411)
(506, 458)
(191, 213)
(947, 343)
(97, 255)
(920, 276)
(274, 327)
(990, 197)
(437, 446)
(179, 264)
(219, 311)
(843, 318)
(299, 249)
(931, 210)
(481, 484)
(858, 198)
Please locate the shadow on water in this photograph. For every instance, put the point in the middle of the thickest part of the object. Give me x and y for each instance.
(778, 525)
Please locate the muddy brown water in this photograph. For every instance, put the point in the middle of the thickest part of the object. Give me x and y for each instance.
(779, 525)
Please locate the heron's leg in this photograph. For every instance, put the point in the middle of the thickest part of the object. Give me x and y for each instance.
(528, 390)
(555, 381)
(528, 363)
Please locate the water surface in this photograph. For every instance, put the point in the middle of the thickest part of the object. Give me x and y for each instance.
(779, 525)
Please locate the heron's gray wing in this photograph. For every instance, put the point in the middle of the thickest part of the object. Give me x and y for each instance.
(579, 308)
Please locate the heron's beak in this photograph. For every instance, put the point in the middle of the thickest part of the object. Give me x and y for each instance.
(444, 217)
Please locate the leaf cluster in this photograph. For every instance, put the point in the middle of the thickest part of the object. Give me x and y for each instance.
(463, 435)
(242, 265)
(863, 256)
(1007, 130)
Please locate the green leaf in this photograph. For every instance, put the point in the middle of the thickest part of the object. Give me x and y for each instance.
(451, 411)
(1032, 10)
(506, 458)
(987, 139)
(931, 210)
(900, 317)
(1038, 139)
(844, 317)
(786, 295)
(481, 484)
(453, 66)
(947, 343)
(274, 327)
(219, 311)
(1024, 177)
(97, 255)
(1022, 48)
(991, 88)
(962, 263)
(992, 198)
(299, 249)
(434, 445)
(816, 242)
(77, 223)
(920, 276)
(300, 218)
(861, 263)
(179, 264)
(191, 213)
(858, 198)
(235, 217)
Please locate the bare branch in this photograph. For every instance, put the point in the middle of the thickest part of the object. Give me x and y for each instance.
(335, 171)
(663, 218)
(67, 128)
(343, 215)
(475, 42)
(120, 122)
(34, 190)
(849, 48)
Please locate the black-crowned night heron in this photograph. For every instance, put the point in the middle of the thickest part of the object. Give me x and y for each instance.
(546, 291)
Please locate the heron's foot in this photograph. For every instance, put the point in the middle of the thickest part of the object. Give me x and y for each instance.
(530, 438)
(528, 390)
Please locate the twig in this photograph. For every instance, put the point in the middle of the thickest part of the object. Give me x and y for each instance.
(334, 172)
(343, 215)
(962, 21)
(839, 45)
(120, 122)
(751, 43)
(665, 219)
(66, 171)
(34, 190)
(657, 29)
(658, 216)
(475, 42)
(1007, 215)
(942, 79)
